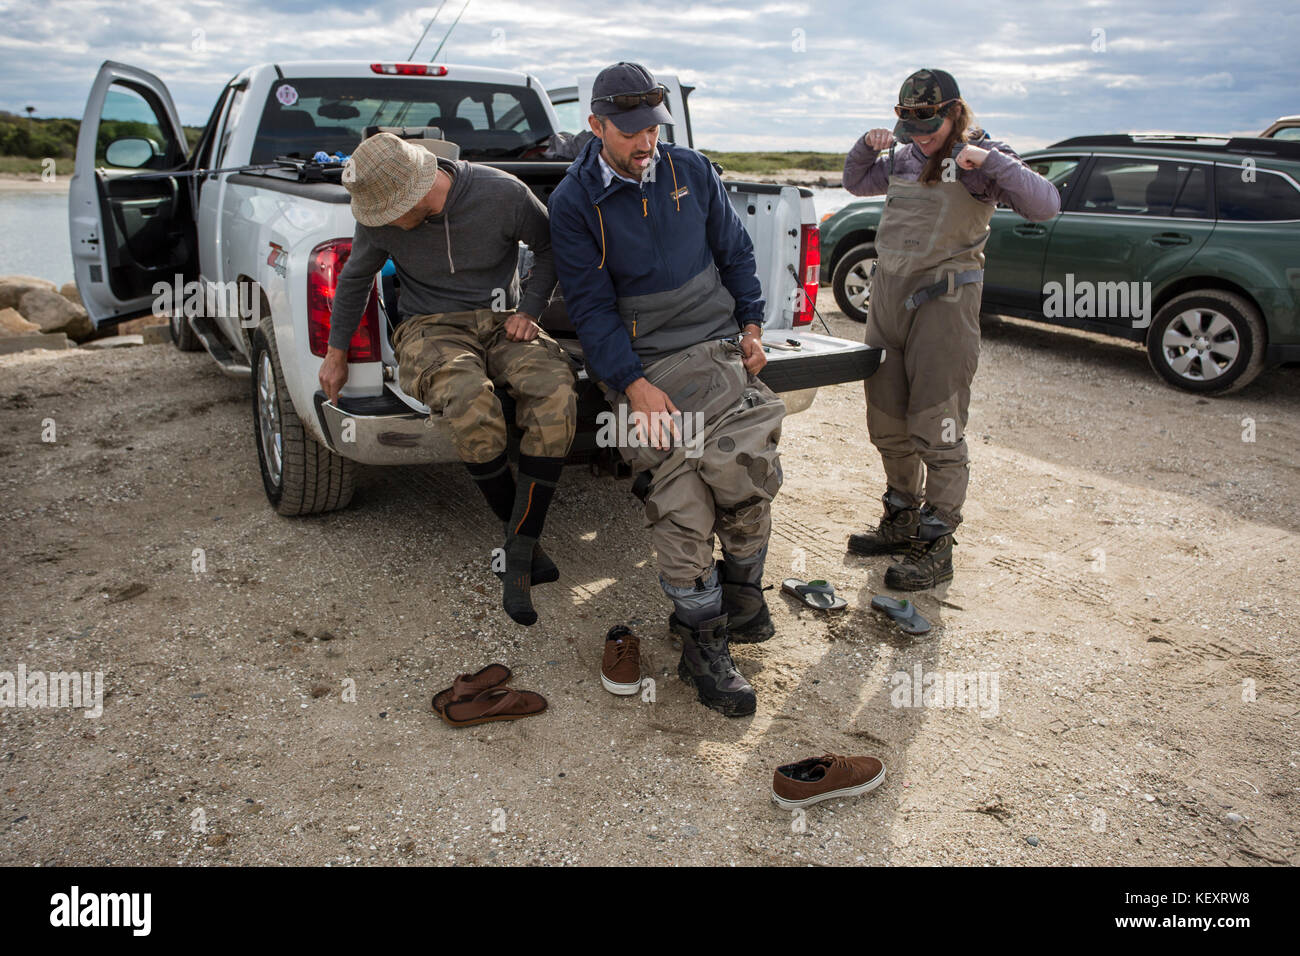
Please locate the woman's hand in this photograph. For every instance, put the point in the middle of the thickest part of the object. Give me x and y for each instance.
(972, 157)
(879, 138)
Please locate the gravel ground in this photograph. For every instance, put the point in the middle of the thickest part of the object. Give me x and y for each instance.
(1125, 574)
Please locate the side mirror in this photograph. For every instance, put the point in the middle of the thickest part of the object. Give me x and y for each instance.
(130, 153)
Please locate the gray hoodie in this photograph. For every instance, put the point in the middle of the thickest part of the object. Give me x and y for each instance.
(457, 260)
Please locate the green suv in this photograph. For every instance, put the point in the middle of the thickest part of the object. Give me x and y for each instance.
(1190, 244)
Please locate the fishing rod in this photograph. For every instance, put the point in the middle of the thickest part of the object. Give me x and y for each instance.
(449, 29)
(411, 56)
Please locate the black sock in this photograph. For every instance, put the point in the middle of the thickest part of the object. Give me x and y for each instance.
(536, 487)
(537, 480)
(497, 484)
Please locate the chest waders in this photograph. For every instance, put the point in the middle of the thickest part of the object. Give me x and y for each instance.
(925, 306)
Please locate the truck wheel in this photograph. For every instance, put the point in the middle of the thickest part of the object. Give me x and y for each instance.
(183, 336)
(1207, 341)
(851, 281)
(300, 475)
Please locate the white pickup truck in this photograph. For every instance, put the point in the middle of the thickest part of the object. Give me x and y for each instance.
(147, 213)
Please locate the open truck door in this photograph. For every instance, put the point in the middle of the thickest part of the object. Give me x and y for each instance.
(129, 232)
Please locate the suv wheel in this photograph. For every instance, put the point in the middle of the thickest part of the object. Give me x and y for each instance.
(851, 281)
(1208, 341)
(183, 336)
(300, 475)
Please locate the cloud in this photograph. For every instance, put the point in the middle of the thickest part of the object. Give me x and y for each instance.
(772, 75)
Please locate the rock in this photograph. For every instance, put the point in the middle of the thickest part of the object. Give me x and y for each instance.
(12, 288)
(114, 342)
(1234, 818)
(156, 334)
(1032, 840)
(69, 291)
(53, 313)
(21, 343)
(12, 323)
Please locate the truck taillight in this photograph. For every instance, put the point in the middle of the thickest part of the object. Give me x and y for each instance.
(810, 268)
(408, 69)
(323, 269)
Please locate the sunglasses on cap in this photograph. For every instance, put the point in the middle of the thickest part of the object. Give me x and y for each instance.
(630, 101)
(921, 112)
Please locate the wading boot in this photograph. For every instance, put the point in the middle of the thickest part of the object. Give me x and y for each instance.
(748, 619)
(928, 561)
(895, 532)
(707, 666)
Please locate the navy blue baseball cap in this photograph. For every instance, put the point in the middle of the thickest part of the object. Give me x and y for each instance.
(629, 95)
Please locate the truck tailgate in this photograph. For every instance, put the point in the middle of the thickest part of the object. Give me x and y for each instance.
(816, 361)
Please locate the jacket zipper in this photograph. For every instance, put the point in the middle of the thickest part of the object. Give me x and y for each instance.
(654, 235)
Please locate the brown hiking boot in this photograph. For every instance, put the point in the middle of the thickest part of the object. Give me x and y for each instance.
(828, 777)
(926, 564)
(620, 668)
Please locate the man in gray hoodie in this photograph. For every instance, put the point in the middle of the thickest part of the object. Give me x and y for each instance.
(453, 232)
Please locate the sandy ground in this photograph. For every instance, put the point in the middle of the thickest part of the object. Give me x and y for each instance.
(1127, 570)
(32, 182)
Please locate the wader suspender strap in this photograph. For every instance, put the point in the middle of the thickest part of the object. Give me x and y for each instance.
(946, 286)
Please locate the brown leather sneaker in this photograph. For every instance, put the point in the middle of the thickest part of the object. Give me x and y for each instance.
(620, 668)
(828, 777)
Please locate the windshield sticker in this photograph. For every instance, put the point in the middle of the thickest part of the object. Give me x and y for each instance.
(287, 95)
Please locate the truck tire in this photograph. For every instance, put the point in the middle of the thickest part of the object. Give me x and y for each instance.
(183, 336)
(300, 475)
(851, 281)
(1207, 341)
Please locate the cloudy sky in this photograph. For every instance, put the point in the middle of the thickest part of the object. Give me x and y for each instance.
(770, 75)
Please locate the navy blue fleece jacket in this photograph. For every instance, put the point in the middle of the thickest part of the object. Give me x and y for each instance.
(631, 239)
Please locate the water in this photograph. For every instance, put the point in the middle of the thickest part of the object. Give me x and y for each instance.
(34, 232)
(34, 228)
(830, 199)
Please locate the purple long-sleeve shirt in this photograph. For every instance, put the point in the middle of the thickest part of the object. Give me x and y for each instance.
(1003, 178)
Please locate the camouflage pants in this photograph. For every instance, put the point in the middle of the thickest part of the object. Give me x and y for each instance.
(455, 361)
(725, 482)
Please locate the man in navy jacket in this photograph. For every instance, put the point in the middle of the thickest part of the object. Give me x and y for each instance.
(659, 279)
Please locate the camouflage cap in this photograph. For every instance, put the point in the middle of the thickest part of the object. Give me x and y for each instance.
(924, 88)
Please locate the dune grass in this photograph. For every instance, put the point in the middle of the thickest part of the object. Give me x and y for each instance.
(772, 162)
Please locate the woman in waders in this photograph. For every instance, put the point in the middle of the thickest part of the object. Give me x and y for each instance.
(940, 191)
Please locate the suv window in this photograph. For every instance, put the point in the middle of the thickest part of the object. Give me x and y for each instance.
(303, 115)
(1145, 187)
(1057, 170)
(1270, 197)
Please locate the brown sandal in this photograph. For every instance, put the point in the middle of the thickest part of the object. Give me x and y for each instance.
(495, 703)
(467, 686)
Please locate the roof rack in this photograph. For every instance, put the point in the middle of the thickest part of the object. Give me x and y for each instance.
(1200, 142)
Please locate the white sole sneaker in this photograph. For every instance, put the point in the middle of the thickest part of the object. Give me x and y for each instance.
(830, 794)
(622, 690)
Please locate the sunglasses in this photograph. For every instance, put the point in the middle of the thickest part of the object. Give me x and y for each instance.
(921, 112)
(630, 101)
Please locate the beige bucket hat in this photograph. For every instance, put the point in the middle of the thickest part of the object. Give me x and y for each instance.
(386, 176)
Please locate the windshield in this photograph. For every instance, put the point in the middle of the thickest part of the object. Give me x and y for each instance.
(487, 120)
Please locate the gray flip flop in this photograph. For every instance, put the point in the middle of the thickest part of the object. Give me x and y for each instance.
(818, 595)
(903, 612)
